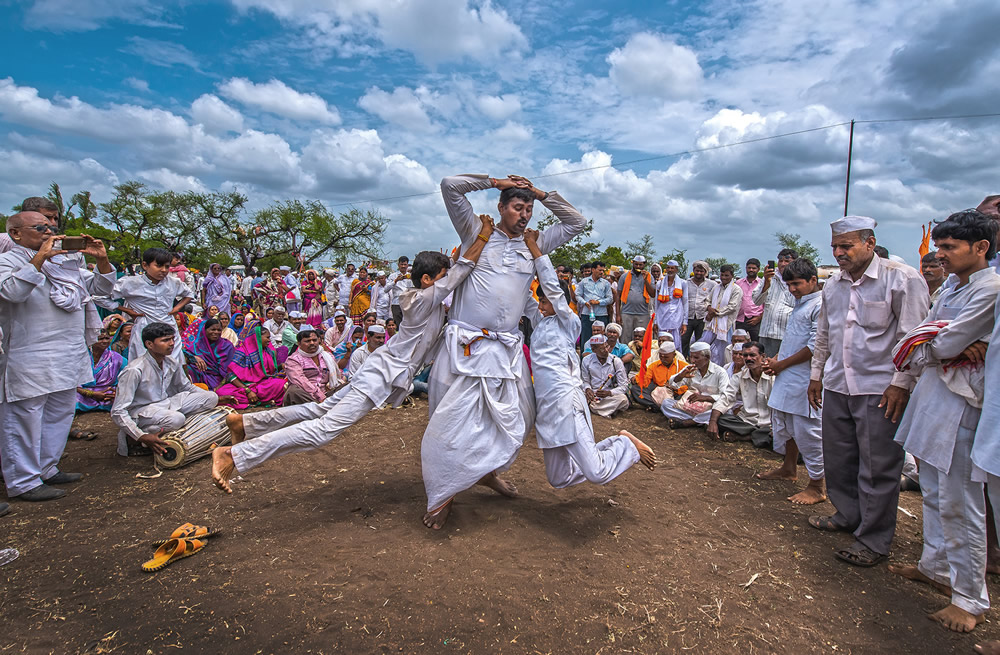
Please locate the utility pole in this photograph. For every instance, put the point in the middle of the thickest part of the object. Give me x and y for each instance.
(850, 153)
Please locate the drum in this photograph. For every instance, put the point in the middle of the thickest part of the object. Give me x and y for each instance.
(197, 437)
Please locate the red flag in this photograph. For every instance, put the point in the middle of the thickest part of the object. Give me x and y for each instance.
(647, 348)
(925, 242)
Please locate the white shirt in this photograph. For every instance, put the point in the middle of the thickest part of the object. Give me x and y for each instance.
(609, 376)
(710, 384)
(754, 395)
(860, 323)
(276, 330)
(358, 358)
(778, 302)
(380, 299)
(143, 383)
(399, 284)
(701, 297)
(344, 283)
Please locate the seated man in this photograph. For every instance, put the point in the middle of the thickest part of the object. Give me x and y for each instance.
(704, 380)
(739, 336)
(604, 381)
(155, 395)
(311, 372)
(651, 391)
(613, 332)
(752, 421)
(335, 333)
(376, 337)
(735, 366)
(276, 326)
(297, 323)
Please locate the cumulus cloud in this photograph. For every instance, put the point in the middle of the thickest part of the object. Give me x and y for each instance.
(276, 97)
(512, 132)
(215, 115)
(401, 107)
(171, 181)
(162, 53)
(498, 107)
(139, 85)
(28, 174)
(652, 65)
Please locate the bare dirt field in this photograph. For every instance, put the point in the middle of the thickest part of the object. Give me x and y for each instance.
(325, 553)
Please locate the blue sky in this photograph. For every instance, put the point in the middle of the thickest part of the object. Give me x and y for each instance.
(366, 99)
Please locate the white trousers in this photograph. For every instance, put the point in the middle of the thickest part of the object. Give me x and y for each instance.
(256, 424)
(807, 434)
(33, 435)
(955, 528)
(670, 410)
(910, 467)
(586, 461)
(169, 414)
(608, 406)
(718, 342)
(308, 435)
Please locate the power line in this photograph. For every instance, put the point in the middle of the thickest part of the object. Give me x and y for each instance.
(674, 155)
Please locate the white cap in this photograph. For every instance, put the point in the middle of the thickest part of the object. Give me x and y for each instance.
(665, 335)
(701, 346)
(279, 310)
(737, 347)
(376, 329)
(296, 315)
(741, 333)
(380, 274)
(197, 309)
(329, 271)
(339, 312)
(852, 224)
(639, 259)
(639, 328)
(597, 338)
(668, 347)
(897, 259)
(597, 324)
(284, 268)
(613, 327)
(673, 262)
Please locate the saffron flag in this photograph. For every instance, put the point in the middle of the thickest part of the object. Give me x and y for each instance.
(925, 242)
(647, 348)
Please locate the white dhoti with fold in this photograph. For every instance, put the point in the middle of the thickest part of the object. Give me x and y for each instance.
(609, 405)
(671, 410)
(481, 408)
(256, 424)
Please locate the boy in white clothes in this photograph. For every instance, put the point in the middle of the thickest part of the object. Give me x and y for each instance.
(796, 426)
(562, 419)
(386, 376)
(152, 298)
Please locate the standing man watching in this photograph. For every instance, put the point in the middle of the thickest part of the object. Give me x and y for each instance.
(400, 283)
(594, 296)
(700, 297)
(344, 284)
(751, 312)
(868, 306)
(934, 274)
(44, 358)
(778, 302)
(671, 306)
(636, 292)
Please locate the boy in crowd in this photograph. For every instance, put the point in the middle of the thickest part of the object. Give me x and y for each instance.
(152, 298)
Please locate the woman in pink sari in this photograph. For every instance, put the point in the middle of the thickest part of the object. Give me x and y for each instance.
(312, 298)
(254, 370)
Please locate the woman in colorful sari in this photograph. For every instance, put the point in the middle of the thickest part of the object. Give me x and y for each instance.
(361, 296)
(112, 322)
(208, 355)
(233, 328)
(99, 394)
(253, 372)
(217, 288)
(121, 338)
(270, 292)
(312, 298)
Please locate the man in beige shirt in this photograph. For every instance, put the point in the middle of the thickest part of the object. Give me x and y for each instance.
(868, 306)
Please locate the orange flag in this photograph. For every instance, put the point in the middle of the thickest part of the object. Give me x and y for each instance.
(925, 243)
(647, 348)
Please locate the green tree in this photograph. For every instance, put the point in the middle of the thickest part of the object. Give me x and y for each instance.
(718, 262)
(644, 246)
(680, 256)
(799, 245)
(613, 256)
(578, 251)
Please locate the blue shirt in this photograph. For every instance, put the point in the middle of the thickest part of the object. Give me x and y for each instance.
(587, 290)
(789, 391)
(618, 351)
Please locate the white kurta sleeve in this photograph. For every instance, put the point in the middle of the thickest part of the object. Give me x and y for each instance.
(727, 395)
(128, 381)
(16, 284)
(569, 321)
(621, 379)
(463, 217)
(101, 284)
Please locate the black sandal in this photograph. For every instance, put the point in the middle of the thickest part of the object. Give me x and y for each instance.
(826, 524)
(858, 555)
(82, 435)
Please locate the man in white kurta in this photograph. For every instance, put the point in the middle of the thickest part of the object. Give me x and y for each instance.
(481, 402)
(720, 318)
(752, 421)
(44, 356)
(344, 284)
(705, 380)
(154, 298)
(605, 382)
(376, 338)
(939, 425)
(562, 425)
(381, 297)
(671, 303)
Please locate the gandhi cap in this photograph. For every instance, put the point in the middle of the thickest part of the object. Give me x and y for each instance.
(852, 224)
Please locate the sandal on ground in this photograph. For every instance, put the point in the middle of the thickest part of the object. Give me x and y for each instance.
(188, 531)
(82, 435)
(826, 524)
(859, 555)
(172, 551)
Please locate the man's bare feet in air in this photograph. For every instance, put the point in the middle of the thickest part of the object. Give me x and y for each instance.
(499, 485)
(988, 648)
(235, 424)
(956, 619)
(436, 519)
(222, 467)
(812, 494)
(780, 473)
(646, 455)
(913, 573)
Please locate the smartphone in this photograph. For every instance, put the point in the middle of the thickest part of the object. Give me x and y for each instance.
(770, 263)
(74, 243)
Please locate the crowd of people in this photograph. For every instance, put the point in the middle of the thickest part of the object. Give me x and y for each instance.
(875, 376)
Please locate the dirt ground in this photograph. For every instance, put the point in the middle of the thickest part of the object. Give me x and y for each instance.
(325, 553)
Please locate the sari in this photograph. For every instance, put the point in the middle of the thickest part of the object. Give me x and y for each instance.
(312, 298)
(106, 370)
(255, 363)
(269, 293)
(232, 333)
(120, 344)
(218, 289)
(361, 299)
(217, 356)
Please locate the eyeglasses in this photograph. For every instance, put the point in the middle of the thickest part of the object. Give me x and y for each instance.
(45, 227)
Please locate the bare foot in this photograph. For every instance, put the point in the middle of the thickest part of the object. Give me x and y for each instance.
(235, 424)
(222, 467)
(913, 573)
(436, 519)
(780, 473)
(988, 648)
(646, 455)
(499, 485)
(956, 619)
(808, 496)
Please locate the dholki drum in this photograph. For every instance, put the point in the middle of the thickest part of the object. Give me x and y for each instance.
(195, 438)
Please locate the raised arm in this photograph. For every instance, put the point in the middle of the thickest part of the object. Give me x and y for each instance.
(463, 217)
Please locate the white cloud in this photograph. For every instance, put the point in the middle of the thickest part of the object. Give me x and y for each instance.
(278, 98)
(139, 85)
(401, 107)
(651, 65)
(215, 115)
(27, 174)
(86, 15)
(512, 132)
(498, 107)
(171, 181)
(162, 53)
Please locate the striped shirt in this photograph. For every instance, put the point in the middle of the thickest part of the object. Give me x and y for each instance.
(778, 302)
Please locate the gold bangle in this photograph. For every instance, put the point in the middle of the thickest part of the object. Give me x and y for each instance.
(485, 240)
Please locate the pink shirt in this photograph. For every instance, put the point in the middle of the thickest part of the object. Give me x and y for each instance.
(304, 373)
(748, 308)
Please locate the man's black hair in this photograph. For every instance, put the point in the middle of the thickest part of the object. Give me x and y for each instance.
(599, 263)
(507, 195)
(37, 203)
(799, 269)
(753, 261)
(929, 258)
(305, 333)
(881, 251)
(161, 256)
(428, 262)
(753, 344)
(403, 259)
(788, 252)
(727, 268)
(970, 226)
(155, 331)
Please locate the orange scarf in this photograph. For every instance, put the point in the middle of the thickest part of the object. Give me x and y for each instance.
(628, 281)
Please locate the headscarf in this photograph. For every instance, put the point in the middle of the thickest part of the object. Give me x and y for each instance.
(110, 317)
(117, 344)
(217, 285)
(248, 326)
(253, 350)
(232, 321)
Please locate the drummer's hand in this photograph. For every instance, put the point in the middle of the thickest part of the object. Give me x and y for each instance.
(153, 441)
(200, 364)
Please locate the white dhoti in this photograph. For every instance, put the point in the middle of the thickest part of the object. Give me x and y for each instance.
(671, 410)
(256, 424)
(477, 424)
(808, 436)
(169, 415)
(586, 461)
(308, 435)
(955, 528)
(609, 405)
(33, 435)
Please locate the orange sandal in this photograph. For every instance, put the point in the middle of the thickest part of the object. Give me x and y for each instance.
(188, 531)
(172, 551)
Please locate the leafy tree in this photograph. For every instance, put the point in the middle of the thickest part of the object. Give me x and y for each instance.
(644, 246)
(680, 256)
(578, 251)
(799, 245)
(613, 256)
(718, 262)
